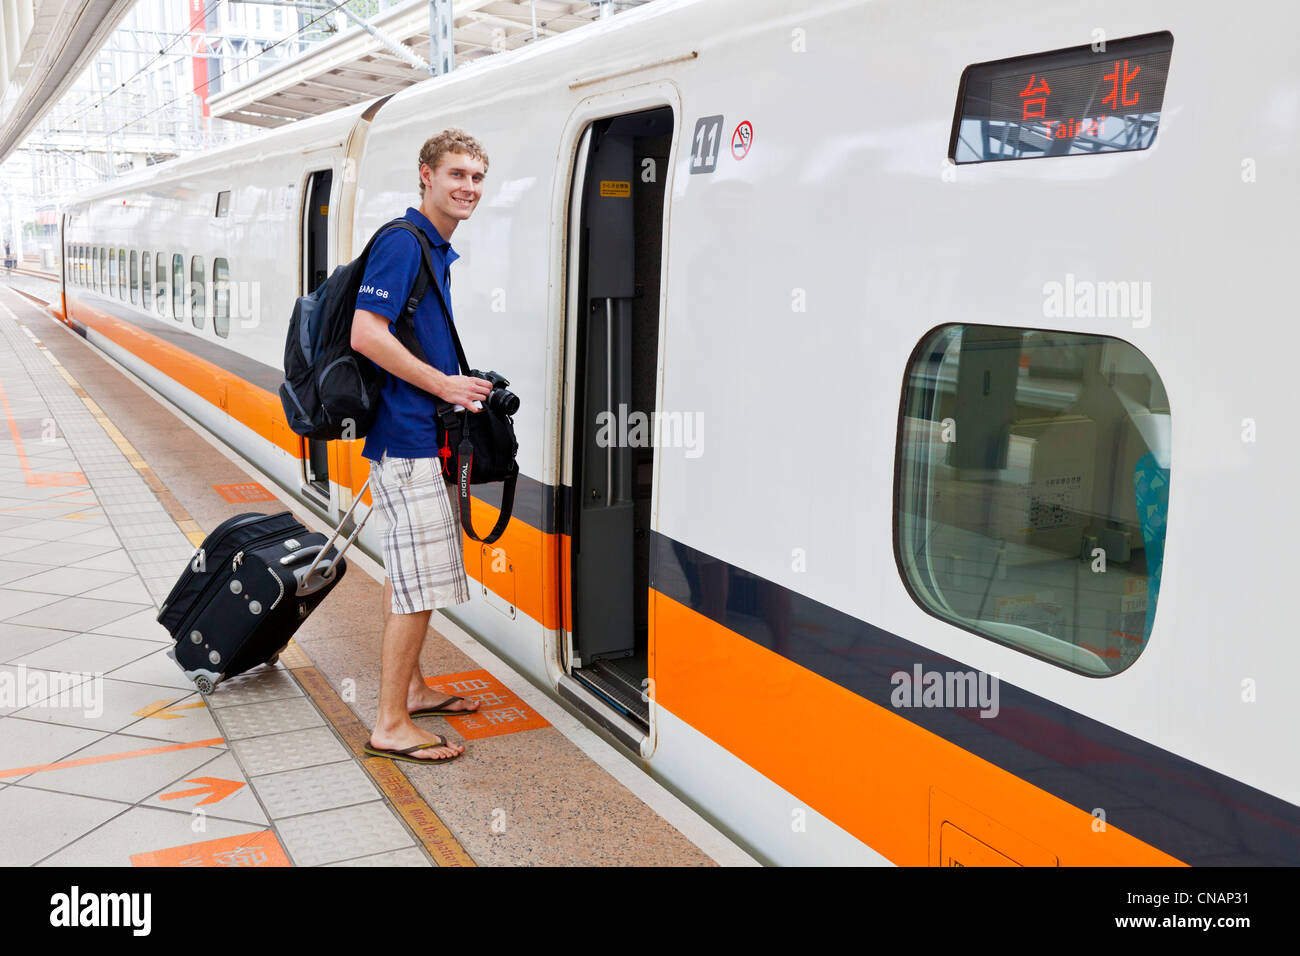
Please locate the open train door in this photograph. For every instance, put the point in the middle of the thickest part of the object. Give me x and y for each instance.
(315, 270)
(616, 232)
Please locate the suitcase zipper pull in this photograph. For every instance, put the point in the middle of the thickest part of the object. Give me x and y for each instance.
(234, 564)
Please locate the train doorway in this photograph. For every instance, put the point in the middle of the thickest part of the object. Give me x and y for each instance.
(617, 204)
(315, 270)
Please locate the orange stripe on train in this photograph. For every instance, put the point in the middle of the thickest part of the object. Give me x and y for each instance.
(527, 570)
(881, 777)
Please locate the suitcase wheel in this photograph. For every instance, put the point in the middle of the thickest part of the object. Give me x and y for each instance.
(204, 684)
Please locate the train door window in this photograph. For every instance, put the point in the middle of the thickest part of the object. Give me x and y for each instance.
(619, 212)
(223, 203)
(135, 277)
(315, 266)
(1033, 490)
(220, 297)
(198, 308)
(146, 281)
(121, 273)
(178, 287)
(316, 238)
(160, 286)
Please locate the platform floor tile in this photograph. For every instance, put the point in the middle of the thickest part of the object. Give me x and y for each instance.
(34, 824)
(335, 835)
(218, 789)
(270, 717)
(141, 830)
(130, 780)
(275, 753)
(87, 653)
(262, 683)
(102, 704)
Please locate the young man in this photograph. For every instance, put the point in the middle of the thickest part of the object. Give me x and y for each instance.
(422, 546)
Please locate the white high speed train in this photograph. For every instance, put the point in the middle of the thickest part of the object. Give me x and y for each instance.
(902, 466)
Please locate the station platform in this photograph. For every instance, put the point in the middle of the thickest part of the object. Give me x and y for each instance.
(110, 757)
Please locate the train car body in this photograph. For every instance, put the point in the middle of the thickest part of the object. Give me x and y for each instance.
(902, 412)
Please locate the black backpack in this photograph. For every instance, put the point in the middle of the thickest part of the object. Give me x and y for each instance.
(329, 389)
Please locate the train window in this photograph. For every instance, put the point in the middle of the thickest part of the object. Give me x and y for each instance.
(160, 287)
(221, 297)
(135, 277)
(197, 310)
(1033, 490)
(223, 203)
(121, 273)
(103, 270)
(178, 287)
(94, 267)
(112, 271)
(146, 300)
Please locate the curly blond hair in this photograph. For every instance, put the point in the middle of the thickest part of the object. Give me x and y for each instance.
(449, 141)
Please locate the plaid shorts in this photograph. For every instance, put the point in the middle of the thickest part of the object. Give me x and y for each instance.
(422, 543)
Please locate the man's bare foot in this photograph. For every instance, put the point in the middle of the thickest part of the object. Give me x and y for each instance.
(407, 734)
(429, 699)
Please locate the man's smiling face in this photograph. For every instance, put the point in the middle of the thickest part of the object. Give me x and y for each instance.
(452, 190)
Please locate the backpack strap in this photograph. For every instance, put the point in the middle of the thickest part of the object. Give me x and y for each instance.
(405, 321)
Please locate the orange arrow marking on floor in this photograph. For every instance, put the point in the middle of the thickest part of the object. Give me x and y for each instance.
(161, 709)
(85, 761)
(215, 787)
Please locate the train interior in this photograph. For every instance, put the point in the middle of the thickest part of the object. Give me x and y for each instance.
(1035, 485)
(618, 263)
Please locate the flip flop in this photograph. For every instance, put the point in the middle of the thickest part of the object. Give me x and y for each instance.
(442, 711)
(374, 751)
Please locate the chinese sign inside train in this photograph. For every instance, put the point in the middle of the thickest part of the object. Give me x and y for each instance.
(1067, 103)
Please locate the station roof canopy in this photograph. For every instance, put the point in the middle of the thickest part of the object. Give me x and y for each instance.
(44, 47)
(358, 66)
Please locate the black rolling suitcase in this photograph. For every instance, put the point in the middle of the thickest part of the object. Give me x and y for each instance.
(248, 588)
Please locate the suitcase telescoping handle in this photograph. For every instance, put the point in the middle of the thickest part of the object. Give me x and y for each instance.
(328, 573)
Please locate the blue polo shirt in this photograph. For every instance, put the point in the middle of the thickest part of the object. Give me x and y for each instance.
(406, 425)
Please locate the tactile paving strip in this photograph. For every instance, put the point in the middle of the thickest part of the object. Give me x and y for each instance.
(313, 789)
(254, 687)
(292, 751)
(271, 717)
(335, 834)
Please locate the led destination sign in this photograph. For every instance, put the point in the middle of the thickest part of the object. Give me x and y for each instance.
(1064, 103)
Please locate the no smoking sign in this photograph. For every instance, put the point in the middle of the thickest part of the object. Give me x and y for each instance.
(741, 139)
